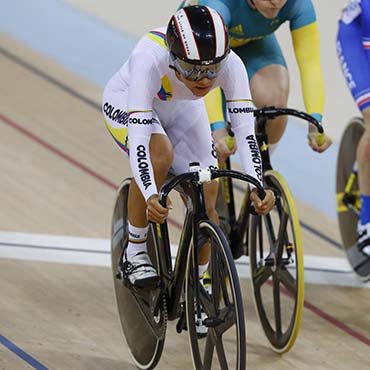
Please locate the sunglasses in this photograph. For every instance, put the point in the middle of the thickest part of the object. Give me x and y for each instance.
(193, 72)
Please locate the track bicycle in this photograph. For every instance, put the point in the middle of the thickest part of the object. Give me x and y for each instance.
(272, 242)
(348, 197)
(144, 313)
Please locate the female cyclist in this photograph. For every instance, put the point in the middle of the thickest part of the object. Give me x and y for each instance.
(154, 110)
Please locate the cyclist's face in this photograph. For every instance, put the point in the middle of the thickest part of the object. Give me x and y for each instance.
(198, 88)
(268, 8)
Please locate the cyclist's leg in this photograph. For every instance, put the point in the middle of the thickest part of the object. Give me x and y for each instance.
(196, 145)
(269, 79)
(363, 160)
(356, 70)
(143, 273)
(136, 264)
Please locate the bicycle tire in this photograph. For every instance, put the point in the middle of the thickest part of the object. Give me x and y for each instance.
(347, 219)
(276, 262)
(144, 336)
(226, 338)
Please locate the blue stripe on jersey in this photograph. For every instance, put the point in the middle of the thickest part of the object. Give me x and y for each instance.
(160, 34)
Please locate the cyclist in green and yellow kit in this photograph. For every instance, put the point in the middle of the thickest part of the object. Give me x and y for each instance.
(251, 25)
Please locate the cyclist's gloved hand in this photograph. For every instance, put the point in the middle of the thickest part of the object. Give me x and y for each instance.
(155, 212)
(318, 142)
(222, 148)
(264, 206)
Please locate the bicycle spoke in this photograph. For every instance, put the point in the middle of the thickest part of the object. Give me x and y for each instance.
(288, 281)
(222, 345)
(276, 248)
(282, 239)
(277, 305)
(208, 352)
(221, 353)
(261, 275)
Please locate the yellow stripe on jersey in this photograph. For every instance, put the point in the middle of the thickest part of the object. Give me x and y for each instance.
(158, 37)
(306, 42)
(240, 100)
(139, 111)
(120, 136)
(213, 102)
(165, 93)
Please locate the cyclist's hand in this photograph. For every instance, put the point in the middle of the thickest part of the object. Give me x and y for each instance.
(313, 140)
(222, 148)
(264, 206)
(155, 212)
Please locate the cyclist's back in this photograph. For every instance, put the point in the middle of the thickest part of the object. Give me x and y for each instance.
(245, 24)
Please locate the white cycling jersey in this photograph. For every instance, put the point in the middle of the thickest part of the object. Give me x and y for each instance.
(146, 96)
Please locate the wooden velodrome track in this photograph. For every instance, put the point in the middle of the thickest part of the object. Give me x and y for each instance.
(60, 170)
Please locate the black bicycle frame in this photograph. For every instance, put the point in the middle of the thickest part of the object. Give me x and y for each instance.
(173, 278)
(192, 189)
(262, 116)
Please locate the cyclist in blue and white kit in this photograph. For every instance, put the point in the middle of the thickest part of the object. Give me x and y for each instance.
(353, 48)
(154, 110)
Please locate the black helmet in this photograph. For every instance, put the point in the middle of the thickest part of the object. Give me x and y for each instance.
(197, 35)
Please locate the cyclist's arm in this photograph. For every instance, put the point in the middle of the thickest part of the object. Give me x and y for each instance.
(234, 81)
(141, 93)
(214, 105)
(306, 44)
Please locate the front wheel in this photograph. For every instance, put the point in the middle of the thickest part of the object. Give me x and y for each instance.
(143, 330)
(276, 262)
(348, 197)
(216, 306)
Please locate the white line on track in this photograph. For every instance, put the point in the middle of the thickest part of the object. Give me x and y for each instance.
(96, 252)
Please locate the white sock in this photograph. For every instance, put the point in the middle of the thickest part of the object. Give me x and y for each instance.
(137, 240)
(202, 269)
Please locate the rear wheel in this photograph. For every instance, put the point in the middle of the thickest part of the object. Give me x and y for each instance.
(277, 272)
(219, 307)
(348, 197)
(144, 332)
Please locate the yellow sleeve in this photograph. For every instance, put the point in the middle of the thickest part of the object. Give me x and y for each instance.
(214, 106)
(306, 42)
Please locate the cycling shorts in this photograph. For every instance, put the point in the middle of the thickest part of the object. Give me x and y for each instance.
(260, 53)
(184, 122)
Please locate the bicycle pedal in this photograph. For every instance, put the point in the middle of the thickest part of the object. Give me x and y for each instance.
(211, 322)
(120, 277)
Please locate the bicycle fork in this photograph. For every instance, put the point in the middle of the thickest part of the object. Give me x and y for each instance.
(350, 199)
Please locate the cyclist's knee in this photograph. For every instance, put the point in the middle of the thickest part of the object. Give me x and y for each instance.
(276, 128)
(270, 86)
(161, 153)
(363, 149)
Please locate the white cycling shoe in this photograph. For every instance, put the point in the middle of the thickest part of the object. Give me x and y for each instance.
(363, 238)
(201, 328)
(139, 271)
